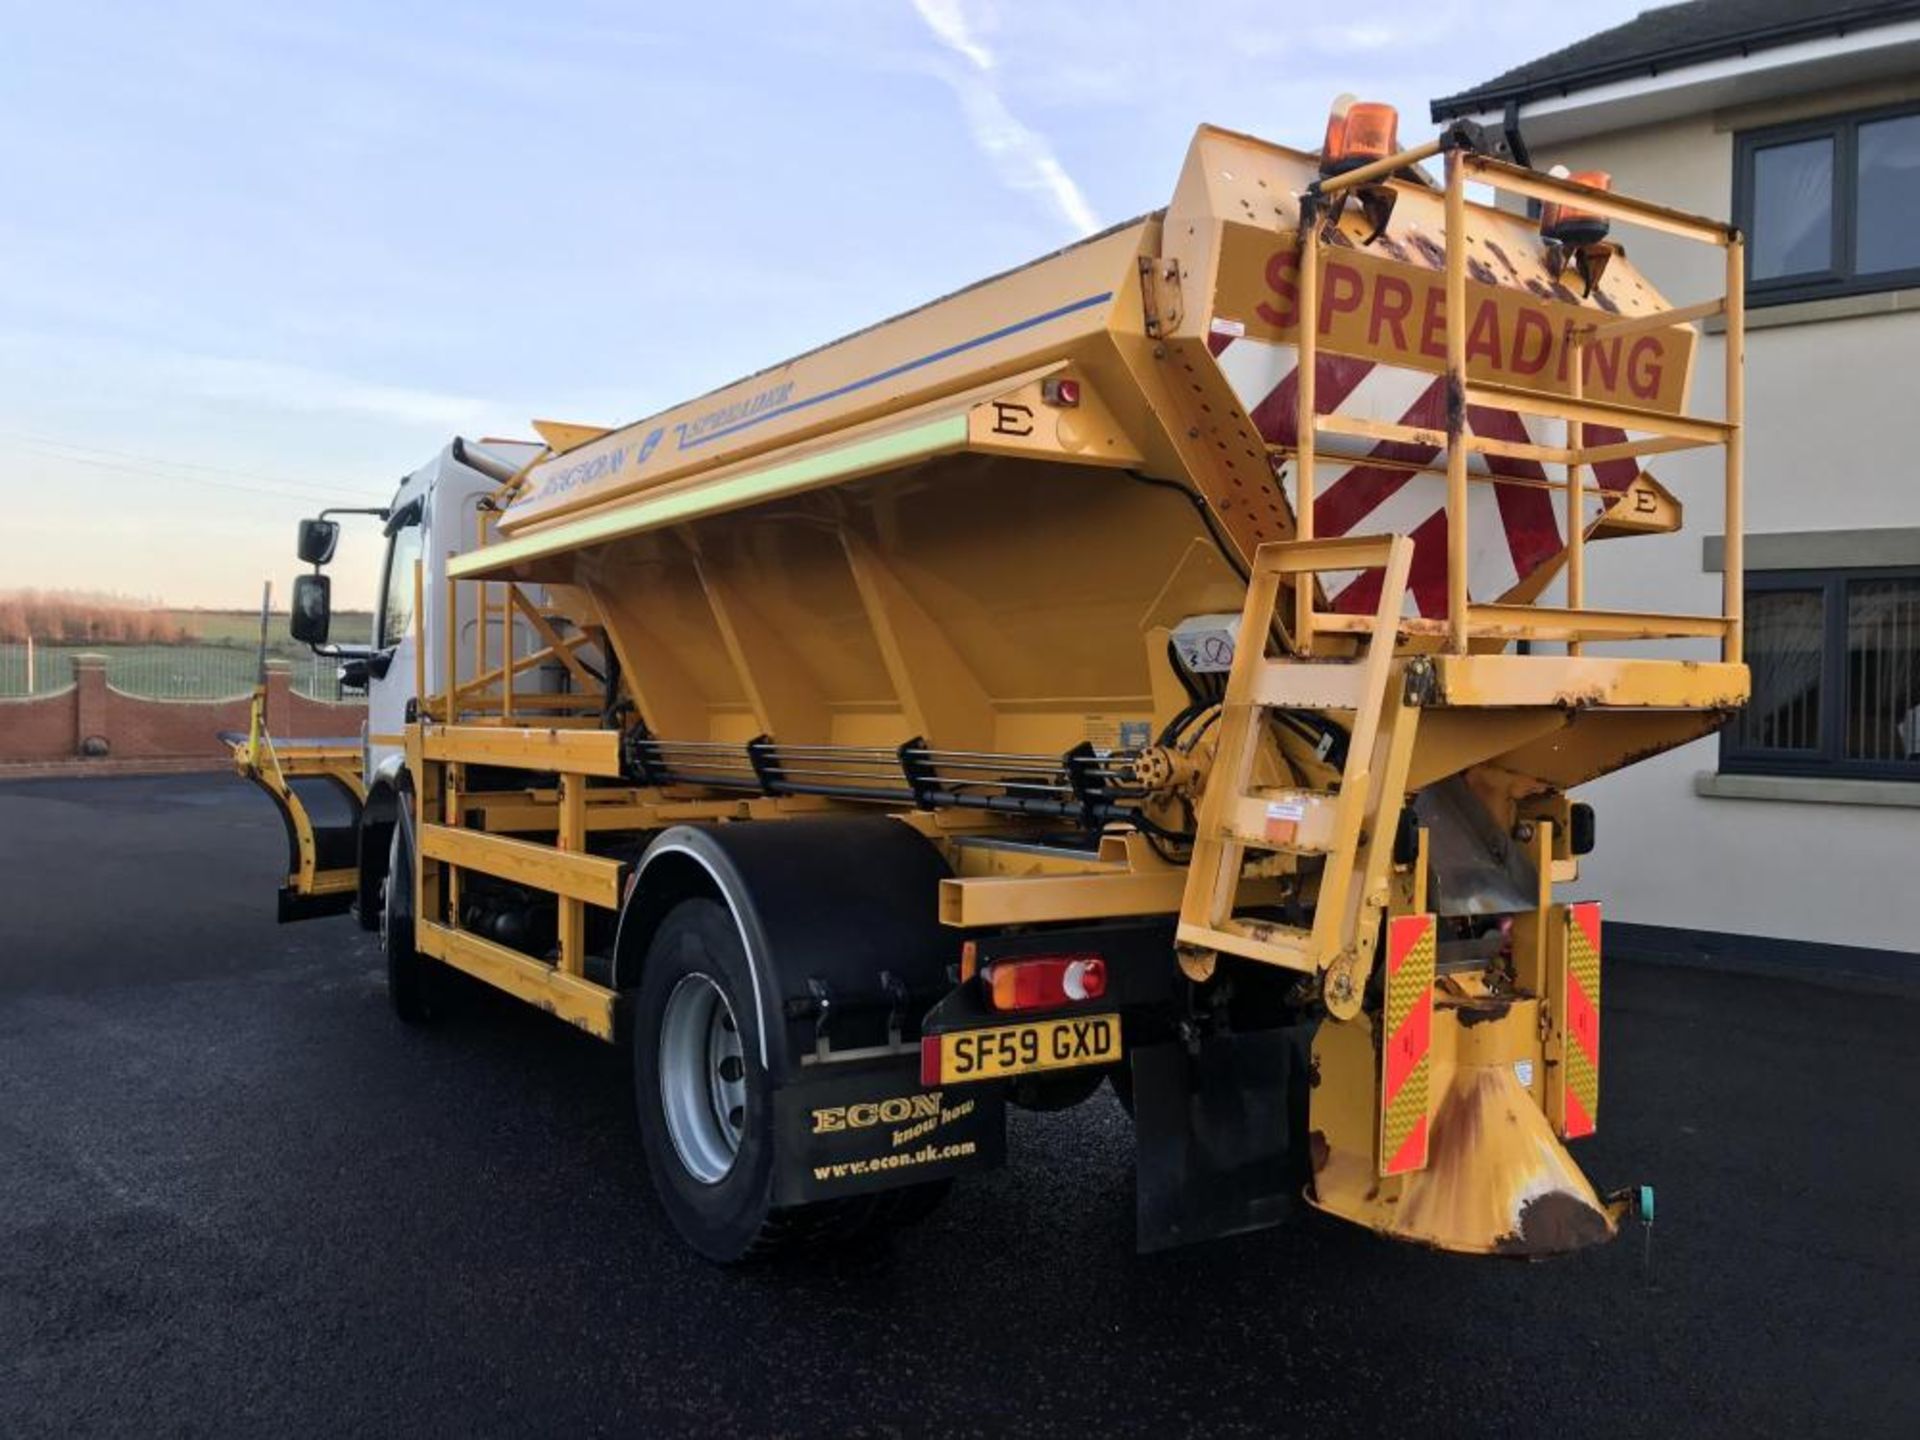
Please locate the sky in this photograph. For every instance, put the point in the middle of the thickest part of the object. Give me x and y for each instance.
(259, 258)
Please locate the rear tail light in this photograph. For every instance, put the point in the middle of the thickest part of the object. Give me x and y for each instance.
(1046, 981)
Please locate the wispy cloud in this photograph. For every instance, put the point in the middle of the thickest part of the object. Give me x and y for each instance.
(1360, 36)
(171, 377)
(1019, 153)
(950, 25)
(299, 387)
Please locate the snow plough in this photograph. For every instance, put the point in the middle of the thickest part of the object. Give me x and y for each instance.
(1166, 665)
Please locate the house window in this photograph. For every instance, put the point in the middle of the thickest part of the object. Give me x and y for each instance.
(1830, 207)
(1835, 657)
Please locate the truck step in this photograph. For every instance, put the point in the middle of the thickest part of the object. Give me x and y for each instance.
(1238, 816)
(1268, 941)
(1287, 820)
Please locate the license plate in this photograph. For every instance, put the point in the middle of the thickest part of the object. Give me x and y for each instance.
(1004, 1050)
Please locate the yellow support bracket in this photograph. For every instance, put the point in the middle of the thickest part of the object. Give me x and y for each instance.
(592, 879)
(579, 1002)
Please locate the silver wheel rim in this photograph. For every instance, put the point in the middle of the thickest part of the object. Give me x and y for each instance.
(703, 1078)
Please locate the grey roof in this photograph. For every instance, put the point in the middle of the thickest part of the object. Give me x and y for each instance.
(1671, 37)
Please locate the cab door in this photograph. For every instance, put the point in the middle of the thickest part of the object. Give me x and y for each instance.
(390, 674)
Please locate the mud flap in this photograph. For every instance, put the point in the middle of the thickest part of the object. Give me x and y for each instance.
(1222, 1135)
(868, 1126)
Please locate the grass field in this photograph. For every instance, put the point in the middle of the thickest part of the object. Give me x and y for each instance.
(242, 627)
(224, 660)
(219, 661)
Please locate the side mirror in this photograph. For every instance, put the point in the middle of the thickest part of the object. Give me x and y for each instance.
(317, 540)
(312, 608)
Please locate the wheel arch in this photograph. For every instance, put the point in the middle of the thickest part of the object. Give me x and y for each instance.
(379, 813)
(832, 900)
(684, 862)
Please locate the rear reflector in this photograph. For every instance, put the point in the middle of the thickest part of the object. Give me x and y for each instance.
(1060, 391)
(1573, 1086)
(1046, 981)
(930, 1060)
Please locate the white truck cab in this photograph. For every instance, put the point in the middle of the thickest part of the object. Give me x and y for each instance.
(433, 516)
(337, 859)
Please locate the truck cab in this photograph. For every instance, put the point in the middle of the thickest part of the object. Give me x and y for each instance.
(338, 860)
(434, 514)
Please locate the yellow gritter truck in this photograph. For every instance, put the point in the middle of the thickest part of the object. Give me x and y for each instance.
(1167, 664)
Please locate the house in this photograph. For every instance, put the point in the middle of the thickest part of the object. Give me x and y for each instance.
(1793, 836)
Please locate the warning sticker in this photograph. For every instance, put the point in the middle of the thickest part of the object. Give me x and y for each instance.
(1283, 820)
(1107, 733)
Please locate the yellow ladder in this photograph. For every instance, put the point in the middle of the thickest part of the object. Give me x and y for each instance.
(1351, 826)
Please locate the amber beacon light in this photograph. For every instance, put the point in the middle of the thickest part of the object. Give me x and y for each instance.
(1565, 222)
(1359, 132)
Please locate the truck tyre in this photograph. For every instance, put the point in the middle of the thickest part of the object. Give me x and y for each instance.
(414, 983)
(705, 1103)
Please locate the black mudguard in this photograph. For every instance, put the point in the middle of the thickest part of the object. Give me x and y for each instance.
(839, 916)
(840, 921)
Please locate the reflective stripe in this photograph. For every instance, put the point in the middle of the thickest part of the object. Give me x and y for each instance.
(1582, 1022)
(1406, 1056)
(1364, 487)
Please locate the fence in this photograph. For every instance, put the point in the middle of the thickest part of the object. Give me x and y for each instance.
(88, 719)
(163, 672)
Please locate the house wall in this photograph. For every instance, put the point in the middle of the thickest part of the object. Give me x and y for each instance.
(1828, 448)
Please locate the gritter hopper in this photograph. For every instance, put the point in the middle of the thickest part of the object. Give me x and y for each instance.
(1194, 574)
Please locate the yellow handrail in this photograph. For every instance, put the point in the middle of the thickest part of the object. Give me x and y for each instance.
(1466, 620)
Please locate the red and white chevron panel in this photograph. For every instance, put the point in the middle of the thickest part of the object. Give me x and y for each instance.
(1372, 489)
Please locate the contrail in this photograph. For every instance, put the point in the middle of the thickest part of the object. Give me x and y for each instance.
(1022, 157)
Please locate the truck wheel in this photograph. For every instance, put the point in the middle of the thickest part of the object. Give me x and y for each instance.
(705, 1104)
(414, 983)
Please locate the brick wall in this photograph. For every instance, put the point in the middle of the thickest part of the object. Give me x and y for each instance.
(41, 728)
(90, 715)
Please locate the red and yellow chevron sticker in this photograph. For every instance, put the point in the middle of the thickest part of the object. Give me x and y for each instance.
(1580, 1023)
(1406, 1052)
